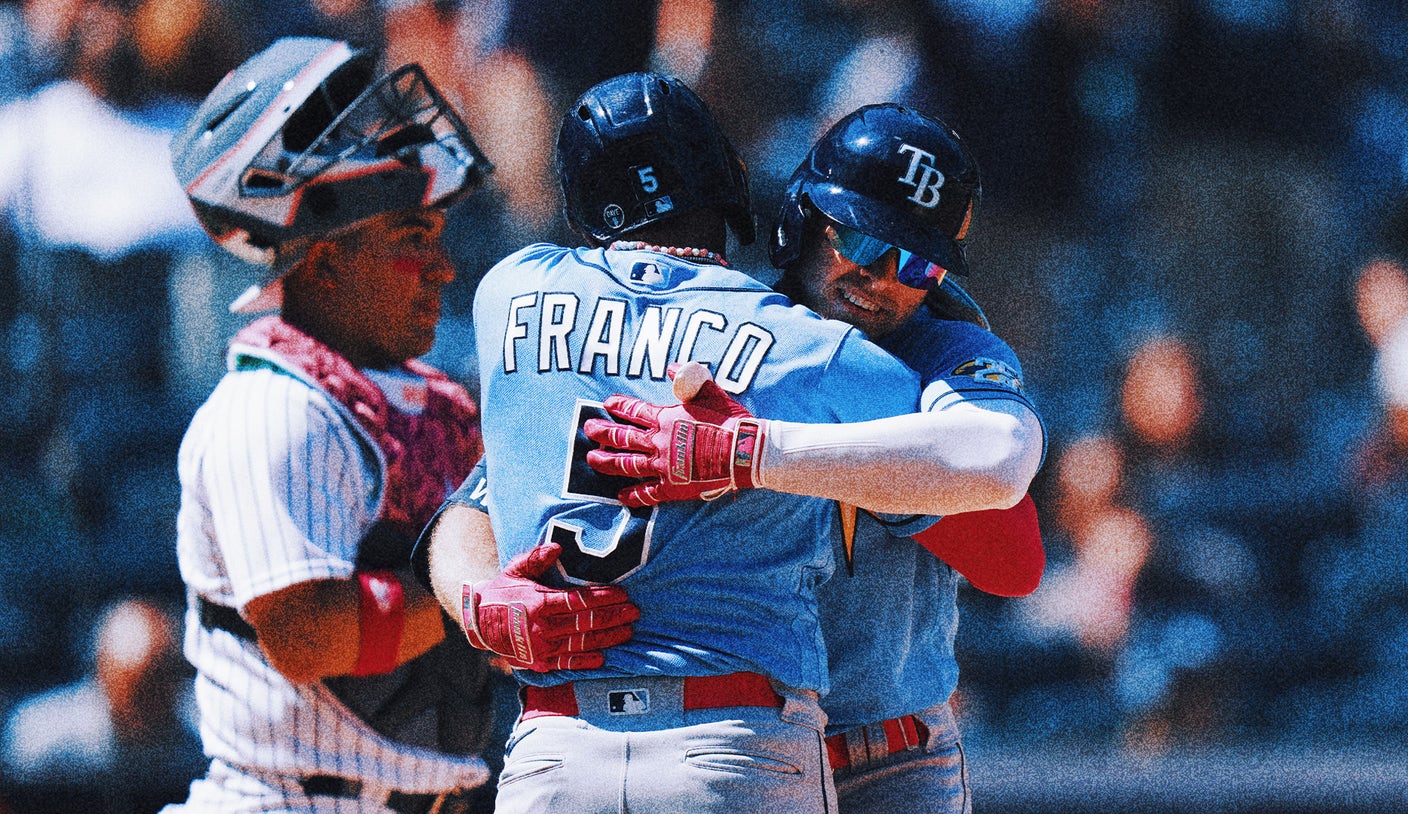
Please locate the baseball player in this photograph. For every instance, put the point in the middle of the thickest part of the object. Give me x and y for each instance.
(325, 681)
(870, 230)
(712, 706)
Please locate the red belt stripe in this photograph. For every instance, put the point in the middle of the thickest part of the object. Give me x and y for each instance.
(900, 734)
(700, 692)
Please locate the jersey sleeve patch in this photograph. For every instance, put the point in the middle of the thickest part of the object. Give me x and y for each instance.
(987, 369)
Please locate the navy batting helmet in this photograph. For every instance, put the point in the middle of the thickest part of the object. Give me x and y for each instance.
(891, 173)
(641, 147)
(304, 139)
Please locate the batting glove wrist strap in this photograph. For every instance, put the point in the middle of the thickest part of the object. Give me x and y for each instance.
(747, 452)
(469, 608)
(738, 455)
(701, 449)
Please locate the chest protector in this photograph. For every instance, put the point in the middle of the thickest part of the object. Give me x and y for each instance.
(441, 699)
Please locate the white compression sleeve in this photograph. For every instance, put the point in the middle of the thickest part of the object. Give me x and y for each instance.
(962, 458)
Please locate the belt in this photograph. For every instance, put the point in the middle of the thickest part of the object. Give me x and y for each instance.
(900, 734)
(700, 692)
(223, 617)
(449, 802)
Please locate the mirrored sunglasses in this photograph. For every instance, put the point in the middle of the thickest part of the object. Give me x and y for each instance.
(862, 249)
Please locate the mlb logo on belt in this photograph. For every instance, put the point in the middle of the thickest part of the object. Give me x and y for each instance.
(628, 702)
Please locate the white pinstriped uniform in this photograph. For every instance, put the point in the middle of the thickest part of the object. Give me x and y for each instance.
(277, 488)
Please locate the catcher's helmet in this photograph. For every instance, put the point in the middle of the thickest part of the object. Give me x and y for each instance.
(641, 147)
(304, 139)
(891, 173)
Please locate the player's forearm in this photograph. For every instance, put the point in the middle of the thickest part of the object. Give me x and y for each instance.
(314, 630)
(462, 549)
(425, 625)
(945, 462)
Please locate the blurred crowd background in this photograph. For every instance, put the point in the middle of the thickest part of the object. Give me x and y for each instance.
(1193, 231)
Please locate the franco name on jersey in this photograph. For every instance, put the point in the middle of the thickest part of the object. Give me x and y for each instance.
(613, 347)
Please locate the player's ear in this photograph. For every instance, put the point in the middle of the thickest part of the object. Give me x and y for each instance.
(322, 265)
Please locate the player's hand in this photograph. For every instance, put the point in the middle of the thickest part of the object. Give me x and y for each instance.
(702, 448)
(535, 627)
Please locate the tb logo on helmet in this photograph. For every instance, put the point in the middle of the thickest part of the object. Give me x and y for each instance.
(923, 176)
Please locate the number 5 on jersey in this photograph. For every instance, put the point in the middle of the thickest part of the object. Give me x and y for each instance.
(592, 552)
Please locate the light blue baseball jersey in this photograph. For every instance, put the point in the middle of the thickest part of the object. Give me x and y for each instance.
(723, 586)
(891, 619)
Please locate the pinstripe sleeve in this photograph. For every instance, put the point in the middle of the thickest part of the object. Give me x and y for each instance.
(290, 490)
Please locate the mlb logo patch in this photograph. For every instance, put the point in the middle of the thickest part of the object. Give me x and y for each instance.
(628, 702)
(648, 273)
(659, 206)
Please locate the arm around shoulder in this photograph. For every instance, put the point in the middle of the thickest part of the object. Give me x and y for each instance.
(970, 456)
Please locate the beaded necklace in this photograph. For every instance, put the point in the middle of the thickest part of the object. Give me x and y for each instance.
(697, 255)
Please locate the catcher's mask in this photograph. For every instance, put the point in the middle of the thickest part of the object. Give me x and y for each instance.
(304, 139)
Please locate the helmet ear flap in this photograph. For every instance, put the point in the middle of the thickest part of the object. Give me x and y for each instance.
(739, 204)
(785, 246)
(950, 301)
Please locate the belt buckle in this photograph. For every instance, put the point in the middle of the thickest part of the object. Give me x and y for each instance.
(629, 700)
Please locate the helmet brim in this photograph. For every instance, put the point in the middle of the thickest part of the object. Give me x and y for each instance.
(878, 220)
(268, 295)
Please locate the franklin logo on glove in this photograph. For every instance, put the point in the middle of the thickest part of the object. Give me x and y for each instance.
(518, 628)
(679, 464)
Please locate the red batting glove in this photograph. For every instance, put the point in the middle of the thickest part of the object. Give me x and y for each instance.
(701, 449)
(535, 627)
(999, 551)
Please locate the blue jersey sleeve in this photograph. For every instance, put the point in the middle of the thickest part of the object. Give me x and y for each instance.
(474, 492)
(958, 361)
(969, 360)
